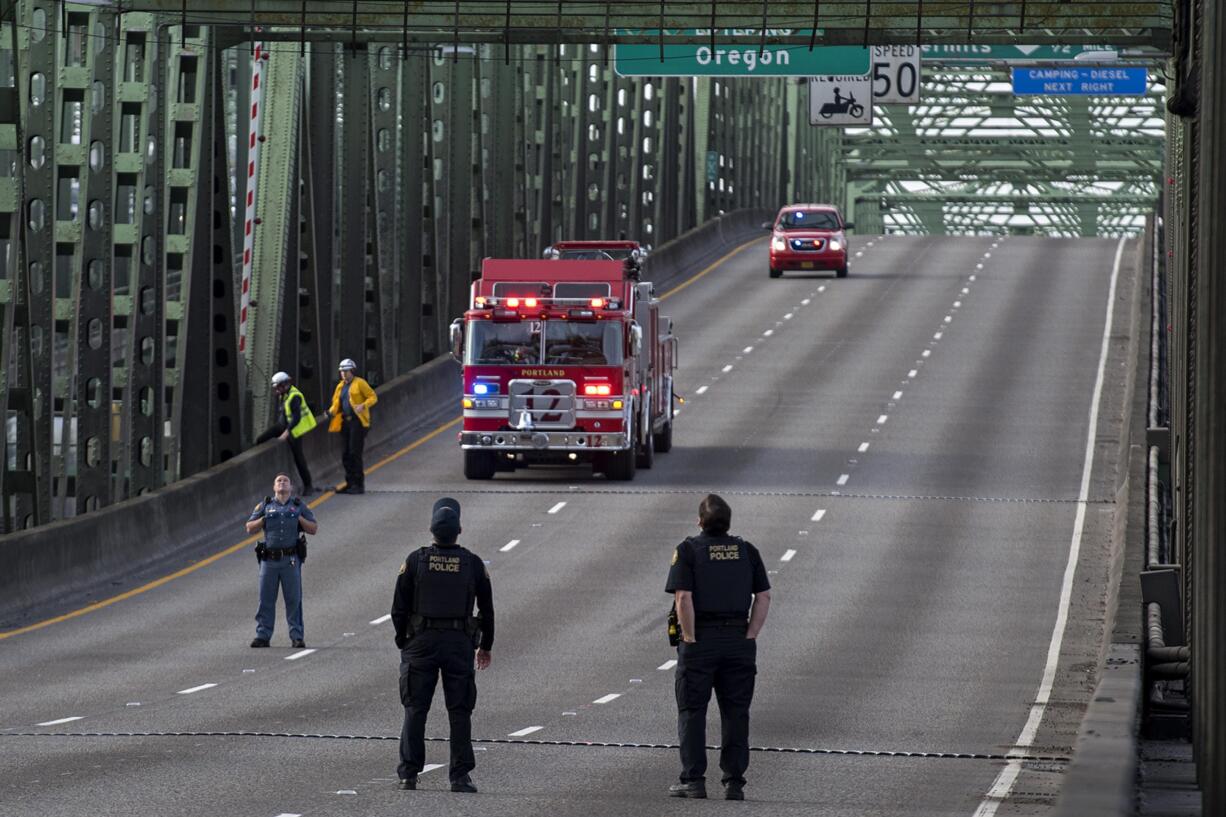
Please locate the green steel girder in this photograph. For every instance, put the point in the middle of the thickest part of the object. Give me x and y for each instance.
(604, 21)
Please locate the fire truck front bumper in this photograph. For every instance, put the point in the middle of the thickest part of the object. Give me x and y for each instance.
(541, 441)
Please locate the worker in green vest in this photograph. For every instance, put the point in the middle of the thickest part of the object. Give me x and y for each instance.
(294, 419)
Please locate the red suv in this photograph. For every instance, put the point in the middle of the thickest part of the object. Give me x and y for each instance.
(808, 237)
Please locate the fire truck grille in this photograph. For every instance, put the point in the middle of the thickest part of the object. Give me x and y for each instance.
(542, 403)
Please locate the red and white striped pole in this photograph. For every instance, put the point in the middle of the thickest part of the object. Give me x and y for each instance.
(253, 156)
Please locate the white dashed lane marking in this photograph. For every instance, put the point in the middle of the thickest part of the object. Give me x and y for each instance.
(604, 699)
(509, 545)
(787, 555)
(701, 390)
(957, 304)
(768, 333)
(897, 395)
(669, 664)
(881, 420)
(913, 373)
(842, 480)
(747, 350)
(937, 336)
(299, 654)
(822, 288)
(727, 368)
(381, 619)
(429, 767)
(926, 353)
(805, 302)
(788, 316)
(863, 447)
(58, 721)
(557, 507)
(817, 515)
(200, 688)
(527, 730)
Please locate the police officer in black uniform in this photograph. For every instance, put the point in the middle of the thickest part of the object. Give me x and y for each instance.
(436, 632)
(722, 596)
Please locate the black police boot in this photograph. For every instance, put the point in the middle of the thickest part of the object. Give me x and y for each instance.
(297, 643)
(259, 642)
(693, 789)
(465, 784)
(734, 790)
(408, 783)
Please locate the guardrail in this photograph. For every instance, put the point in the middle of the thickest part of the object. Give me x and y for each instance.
(73, 562)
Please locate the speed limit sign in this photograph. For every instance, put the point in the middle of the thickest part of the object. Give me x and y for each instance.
(896, 73)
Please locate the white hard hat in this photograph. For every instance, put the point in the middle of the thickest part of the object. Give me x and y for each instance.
(347, 365)
(280, 379)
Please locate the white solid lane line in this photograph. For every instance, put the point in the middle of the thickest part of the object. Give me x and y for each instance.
(58, 721)
(200, 688)
(747, 350)
(863, 447)
(897, 395)
(913, 373)
(669, 664)
(1003, 784)
(604, 699)
(381, 619)
(787, 555)
(527, 730)
(509, 545)
(300, 654)
(727, 368)
(817, 516)
(881, 420)
(557, 507)
(701, 390)
(842, 480)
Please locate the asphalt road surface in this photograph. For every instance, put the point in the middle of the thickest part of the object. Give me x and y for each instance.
(907, 447)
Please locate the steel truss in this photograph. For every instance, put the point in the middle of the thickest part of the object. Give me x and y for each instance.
(973, 158)
(384, 175)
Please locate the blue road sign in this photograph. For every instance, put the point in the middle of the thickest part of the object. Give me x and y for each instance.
(1081, 80)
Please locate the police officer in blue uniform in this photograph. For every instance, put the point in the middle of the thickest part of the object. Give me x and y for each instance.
(722, 596)
(436, 632)
(284, 519)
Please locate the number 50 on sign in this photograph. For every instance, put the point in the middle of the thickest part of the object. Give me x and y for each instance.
(896, 74)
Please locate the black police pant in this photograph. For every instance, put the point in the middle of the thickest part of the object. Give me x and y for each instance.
(353, 436)
(727, 664)
(428, 655)
(295, 447)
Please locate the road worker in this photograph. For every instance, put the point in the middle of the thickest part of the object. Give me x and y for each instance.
(350, 413)
(294, 420)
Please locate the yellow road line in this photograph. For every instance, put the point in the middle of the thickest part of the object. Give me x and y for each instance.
(192, 568)
(710, 267)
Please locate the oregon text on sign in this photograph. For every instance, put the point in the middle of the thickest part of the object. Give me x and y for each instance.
(749, 57)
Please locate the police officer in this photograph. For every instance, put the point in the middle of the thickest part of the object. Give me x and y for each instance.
(436, 632)
(722, 596)
(283, 519)
(293, 421)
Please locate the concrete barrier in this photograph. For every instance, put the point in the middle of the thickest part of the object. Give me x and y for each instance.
(75, 561)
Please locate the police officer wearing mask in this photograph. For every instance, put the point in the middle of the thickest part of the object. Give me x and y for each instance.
(436, 633)
(283, 519)
(722, 597)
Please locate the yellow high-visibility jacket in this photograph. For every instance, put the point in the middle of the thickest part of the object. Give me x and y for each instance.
(359, 392)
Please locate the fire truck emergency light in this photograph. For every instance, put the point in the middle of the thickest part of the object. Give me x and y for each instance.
(597, 303)
(597, 389)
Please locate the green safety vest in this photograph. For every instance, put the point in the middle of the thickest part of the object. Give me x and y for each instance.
(307, 419)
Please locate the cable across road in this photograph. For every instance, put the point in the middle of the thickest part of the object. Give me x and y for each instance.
(591, 744)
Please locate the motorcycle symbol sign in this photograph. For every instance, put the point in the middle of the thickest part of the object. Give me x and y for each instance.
(841, 100)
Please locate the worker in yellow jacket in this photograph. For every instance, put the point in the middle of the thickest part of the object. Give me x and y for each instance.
(350, 413)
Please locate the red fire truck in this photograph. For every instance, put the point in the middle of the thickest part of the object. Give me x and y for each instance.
(566, 359)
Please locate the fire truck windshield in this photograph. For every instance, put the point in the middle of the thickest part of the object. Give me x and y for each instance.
(583, 344)
(512, 343)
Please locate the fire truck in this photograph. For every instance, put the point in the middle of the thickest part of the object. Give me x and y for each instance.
(566, 360)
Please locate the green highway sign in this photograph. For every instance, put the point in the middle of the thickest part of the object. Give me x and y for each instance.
(744, 58)
(1013, 53)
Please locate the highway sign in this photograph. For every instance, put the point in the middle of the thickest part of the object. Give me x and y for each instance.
(1081, 80)
(896, 73)
(743, 58)
(841, 100)
(1009, 53)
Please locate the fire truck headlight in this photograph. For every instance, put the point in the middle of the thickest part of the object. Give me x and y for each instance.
(835, 244)
(779, 243)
